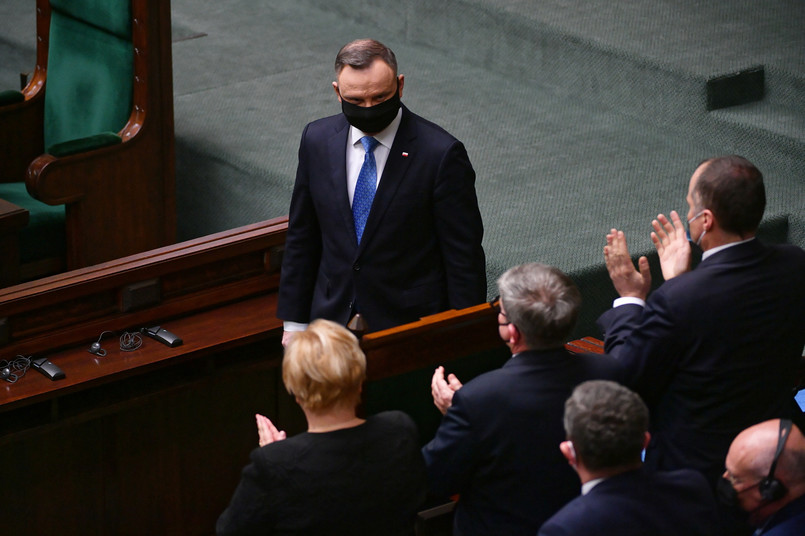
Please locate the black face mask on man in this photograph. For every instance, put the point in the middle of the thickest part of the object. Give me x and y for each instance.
(372, 119)
(727, 498)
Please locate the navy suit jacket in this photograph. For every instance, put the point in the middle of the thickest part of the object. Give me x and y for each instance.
(421, 249)
(714, 351)
(498, 444)
(638, 503)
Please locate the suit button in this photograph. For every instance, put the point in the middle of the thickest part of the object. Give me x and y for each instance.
(356, 267)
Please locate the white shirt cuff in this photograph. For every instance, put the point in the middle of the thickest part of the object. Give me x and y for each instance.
(628, 300)
(293, 326)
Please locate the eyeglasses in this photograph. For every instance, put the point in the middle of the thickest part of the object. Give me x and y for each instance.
(735, 482)
(495, 304)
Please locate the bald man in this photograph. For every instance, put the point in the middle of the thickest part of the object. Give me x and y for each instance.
(766, 472)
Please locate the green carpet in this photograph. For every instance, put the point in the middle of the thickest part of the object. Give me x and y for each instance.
(578, 116)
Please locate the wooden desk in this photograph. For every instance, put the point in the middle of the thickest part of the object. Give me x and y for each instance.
(152, 441)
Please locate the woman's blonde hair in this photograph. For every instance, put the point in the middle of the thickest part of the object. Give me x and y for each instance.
(323, 366)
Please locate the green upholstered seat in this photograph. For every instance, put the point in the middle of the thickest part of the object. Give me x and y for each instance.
(88, 99)
(90, 69)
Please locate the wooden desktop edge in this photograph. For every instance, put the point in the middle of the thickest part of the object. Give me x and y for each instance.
(243, 322)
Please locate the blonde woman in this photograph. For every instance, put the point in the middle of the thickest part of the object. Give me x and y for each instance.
(345, 475)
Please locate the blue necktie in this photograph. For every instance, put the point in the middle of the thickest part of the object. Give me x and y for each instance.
(365, 187)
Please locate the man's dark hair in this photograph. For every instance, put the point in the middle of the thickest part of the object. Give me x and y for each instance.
(361, 53)
(542, 302)
(732, 188)
(606, 423)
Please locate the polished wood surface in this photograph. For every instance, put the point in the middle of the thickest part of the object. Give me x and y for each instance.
(150, 441)
(431, 341)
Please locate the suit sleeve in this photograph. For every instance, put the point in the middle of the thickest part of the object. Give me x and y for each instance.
(647, 343)
(303, 246)
(451, 456)
(460, 229)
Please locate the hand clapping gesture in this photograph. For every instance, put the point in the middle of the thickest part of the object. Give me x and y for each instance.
(443, 390)
(267, 432)
(627, 280)
(671, 241)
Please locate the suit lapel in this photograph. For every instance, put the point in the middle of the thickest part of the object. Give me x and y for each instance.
(337, 150)
(402, 152)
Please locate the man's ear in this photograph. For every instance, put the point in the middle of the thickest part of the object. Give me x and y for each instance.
(400, 84)
(646, 439)
(514, 334)
(567, 450)
(335, 88)
(708, 220)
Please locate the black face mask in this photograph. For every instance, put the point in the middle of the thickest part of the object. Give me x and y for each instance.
(726, 494)
(372, 119)
(728, 500)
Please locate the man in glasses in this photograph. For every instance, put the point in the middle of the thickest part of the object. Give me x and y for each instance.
(765, 476)
(496, 445)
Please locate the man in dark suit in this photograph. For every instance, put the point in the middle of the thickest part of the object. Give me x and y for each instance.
(766, 476)
(607, 429)
(713, 349)
(497, 443)
(384, 219)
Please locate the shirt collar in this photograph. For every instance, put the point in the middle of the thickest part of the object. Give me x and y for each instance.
(590, 484)
(715, 250)
(385, 136)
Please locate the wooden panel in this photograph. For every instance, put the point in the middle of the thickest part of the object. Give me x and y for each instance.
(151, 441)
(66, 309)
(431, 341)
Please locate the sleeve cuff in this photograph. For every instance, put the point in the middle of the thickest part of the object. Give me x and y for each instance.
(629, 301)
(293, 326)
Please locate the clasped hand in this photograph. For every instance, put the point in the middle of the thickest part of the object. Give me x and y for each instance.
(267, 432)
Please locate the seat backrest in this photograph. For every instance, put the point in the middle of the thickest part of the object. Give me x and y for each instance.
(90, 69)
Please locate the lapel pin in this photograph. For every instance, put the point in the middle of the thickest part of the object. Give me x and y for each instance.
(405, 154)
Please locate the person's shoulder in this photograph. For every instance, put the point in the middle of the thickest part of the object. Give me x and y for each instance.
(789, 251)
(325, 124)
(573, 519)
(600, 366)
(280, 451)
(429, 129)
(688, 484)
(392, 419)
(487, 380)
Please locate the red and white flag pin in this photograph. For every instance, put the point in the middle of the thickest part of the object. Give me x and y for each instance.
(405, 154)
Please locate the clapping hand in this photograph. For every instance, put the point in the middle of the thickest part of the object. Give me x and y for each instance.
(443, 390)
(673, 247)
(628, 281)
(267, 432)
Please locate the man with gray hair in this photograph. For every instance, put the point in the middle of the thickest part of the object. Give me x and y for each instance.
(496, 445)
(607, 429)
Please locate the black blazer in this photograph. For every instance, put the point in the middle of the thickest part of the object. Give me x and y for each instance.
(635, 503)
(498, 444)
(714, 351)
(421, 250)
